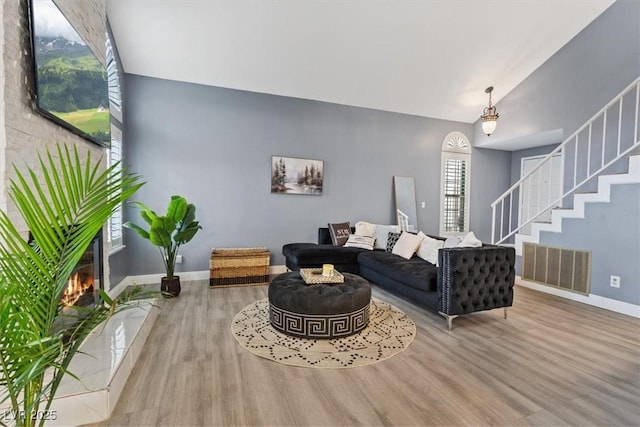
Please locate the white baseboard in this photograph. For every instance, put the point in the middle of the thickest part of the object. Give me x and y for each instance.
(594, 300)
(149, 279)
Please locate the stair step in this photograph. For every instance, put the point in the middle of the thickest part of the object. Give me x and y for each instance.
(605, 182)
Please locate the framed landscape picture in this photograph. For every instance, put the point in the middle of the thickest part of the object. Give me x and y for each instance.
(291, 175)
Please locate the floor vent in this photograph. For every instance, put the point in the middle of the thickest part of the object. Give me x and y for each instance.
(568, 269)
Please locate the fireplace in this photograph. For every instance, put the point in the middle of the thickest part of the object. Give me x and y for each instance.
(86, 278)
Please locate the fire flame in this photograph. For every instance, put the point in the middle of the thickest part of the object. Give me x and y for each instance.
(75, 289)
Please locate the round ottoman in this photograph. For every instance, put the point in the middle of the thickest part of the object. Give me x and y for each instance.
(319, 310)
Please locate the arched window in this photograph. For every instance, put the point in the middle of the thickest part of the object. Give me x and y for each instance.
(454, 184)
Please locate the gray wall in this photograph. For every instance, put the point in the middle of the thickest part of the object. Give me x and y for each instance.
(214, 146)
(610, 231)
(490, 177)
(577, 81)
(565, 92)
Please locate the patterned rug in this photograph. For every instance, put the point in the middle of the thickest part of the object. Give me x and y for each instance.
(389, 332)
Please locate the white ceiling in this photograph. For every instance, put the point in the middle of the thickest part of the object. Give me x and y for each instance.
(428, 58)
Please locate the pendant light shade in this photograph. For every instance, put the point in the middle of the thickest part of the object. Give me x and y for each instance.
(489, 115)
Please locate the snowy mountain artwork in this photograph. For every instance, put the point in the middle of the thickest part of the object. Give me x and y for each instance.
(292, 175)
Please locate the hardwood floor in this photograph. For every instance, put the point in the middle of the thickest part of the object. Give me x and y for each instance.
(552, 362)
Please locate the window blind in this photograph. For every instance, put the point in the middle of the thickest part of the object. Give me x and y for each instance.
(454, 195)
(114, 153)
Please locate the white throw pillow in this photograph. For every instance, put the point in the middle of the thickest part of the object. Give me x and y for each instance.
(382, 235)
(452, 242)
(470, 241)
(429, 247)
(362, 242)
(365, 229)
(407, 245)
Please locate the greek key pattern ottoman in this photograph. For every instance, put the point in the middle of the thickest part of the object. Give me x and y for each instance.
(319, 310)
(319, 326)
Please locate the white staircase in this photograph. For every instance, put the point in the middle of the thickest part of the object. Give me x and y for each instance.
(601, 144)
(603, 195)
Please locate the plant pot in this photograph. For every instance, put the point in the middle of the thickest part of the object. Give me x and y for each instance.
(171, 286)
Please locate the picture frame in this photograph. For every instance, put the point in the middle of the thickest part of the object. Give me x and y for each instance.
(293, 175)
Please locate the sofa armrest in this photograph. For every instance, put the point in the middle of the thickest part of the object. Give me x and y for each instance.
(475, 279)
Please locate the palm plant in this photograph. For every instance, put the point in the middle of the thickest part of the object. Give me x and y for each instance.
(64, 206)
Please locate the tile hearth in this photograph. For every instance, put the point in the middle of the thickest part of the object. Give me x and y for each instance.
(108, 357)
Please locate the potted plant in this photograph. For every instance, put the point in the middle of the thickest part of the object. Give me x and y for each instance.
(64, 205)
(169, 232)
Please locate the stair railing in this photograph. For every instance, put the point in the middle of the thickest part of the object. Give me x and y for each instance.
(572, 151)
(403, 220)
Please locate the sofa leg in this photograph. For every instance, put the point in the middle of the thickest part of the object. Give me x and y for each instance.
(505, 313)
(449, 319)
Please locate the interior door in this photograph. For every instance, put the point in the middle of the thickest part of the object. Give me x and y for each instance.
(541, 190)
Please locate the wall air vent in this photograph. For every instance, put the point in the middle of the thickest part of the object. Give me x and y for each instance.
(568, 269)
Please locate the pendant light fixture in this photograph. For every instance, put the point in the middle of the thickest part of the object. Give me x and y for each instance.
(489, 115)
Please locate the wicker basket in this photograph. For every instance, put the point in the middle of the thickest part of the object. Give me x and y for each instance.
(239, 267)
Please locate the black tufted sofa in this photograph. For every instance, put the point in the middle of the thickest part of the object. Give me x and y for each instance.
(466, 279)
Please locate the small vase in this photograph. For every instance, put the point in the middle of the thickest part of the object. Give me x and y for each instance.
(171, 286)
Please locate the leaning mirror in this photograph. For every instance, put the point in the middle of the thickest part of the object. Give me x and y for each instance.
(405, 196)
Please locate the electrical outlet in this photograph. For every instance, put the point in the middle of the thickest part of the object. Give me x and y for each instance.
(614, 281)
(178, 259)
(423, 205)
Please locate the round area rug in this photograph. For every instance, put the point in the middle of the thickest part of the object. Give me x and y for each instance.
(389, 332)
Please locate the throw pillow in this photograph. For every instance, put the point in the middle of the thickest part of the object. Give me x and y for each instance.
(362, 242)
(407, 245)
(339, 233)
(470, 241)
(392, 239)
(451, 242)
(382, 235)
(365, 229)
(429, 247)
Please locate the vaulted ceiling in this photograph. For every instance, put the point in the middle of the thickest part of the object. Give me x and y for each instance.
(428, 58)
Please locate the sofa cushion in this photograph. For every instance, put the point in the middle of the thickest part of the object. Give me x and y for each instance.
(363, 242)
(451, 242)
(429, 247)
(382, 234)
(312, 255)
(324, 237)
(470, 241)
(407, 245)
(414, 272)
(392, 239)
(339, 233)
(364, 228)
